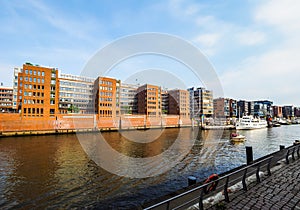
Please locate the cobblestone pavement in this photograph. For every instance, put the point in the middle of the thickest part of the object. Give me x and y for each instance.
(279, 191)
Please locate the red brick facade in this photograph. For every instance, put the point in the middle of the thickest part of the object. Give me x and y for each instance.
(38, 91)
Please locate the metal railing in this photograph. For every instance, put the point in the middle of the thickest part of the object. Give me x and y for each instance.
(198, 194)
(291, 151)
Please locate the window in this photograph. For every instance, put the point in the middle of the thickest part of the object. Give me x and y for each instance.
(30, 72)
(26, 79)
(39, 73)
(34, 79)
(26, 71)
(30, 79)
(21, 78)
(39, 80)
(43, 81)
(43, 73)
(24, 110)
(34, 72)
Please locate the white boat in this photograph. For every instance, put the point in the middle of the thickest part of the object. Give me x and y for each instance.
(284, 121)
(237, 137)
(250, 122)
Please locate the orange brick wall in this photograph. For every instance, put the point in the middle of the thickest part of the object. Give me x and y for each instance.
(16, 122)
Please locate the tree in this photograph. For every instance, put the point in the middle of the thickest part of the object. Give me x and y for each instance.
(73, 109)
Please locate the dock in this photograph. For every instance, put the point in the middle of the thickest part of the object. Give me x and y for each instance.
(218, 127)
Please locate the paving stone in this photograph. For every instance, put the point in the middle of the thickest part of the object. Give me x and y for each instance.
(286, 208)
(279, 191)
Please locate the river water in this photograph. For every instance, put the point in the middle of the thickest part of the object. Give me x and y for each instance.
(54, 171)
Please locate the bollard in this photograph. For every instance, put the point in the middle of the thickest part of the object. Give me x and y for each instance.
(249, 154)
(281, 147)
(192, 180)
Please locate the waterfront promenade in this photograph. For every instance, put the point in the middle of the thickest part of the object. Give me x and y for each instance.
(281, 190)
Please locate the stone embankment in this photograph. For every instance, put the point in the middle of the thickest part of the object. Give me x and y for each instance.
(15, 124)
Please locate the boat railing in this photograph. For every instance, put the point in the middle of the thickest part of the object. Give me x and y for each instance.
(197, 194)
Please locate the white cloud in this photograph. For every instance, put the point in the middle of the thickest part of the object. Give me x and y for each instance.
(183, 9)
(273, 74)
(79, 27)
(250, 37)
(283, 14)
(208, 40)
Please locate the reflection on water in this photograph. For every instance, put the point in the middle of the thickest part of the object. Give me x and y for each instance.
(55, 172)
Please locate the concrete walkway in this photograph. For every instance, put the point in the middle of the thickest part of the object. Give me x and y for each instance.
(281, 190)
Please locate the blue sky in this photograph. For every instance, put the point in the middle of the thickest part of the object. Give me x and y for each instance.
(253, 45)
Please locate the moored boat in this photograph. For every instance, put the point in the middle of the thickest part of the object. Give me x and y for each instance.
(250, 122)
(276, 124)
(284, 122)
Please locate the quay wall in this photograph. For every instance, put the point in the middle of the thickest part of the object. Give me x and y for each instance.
(15, 124)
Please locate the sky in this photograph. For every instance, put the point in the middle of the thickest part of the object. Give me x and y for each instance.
(253, 45)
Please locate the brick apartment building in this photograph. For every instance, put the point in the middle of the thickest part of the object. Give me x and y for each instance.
(107, 97)
(149, 100)
(38, 91)
(225, 108)
(277, 111)
(222, 107)
(179, 103)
